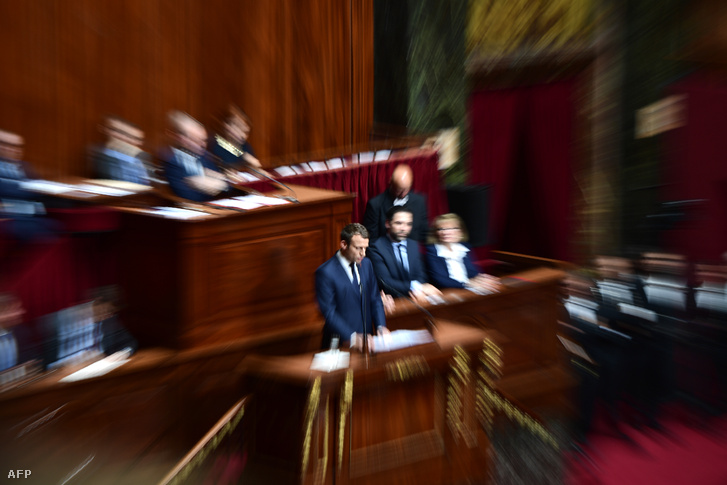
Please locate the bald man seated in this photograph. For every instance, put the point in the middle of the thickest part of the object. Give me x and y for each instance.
(399, 193)
(189, 169)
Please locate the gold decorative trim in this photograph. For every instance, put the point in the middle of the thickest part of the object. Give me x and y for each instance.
(229, 146)
(311, 410)
(459, 380)
(345, 406)
(489, 401)
(407, 368)
(210, 446)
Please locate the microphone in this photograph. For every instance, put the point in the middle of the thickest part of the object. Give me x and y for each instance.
(364, 334)
(290, 198)
(427, 313)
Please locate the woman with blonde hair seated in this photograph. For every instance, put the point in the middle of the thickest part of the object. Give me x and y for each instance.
(449, 264)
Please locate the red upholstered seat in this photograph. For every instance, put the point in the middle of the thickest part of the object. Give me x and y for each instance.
(87, 219)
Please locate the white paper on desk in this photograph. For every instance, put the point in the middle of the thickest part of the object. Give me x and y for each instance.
(575, 349)
(318, 166)
(366, 157)
(121, 184)
(99, 190)
(334, 163)
(382, 155)
(401, 339)
(46, 186)
(101, 367)
(330, 360)
(176, 212)
(285, 171)
(248, 177)
(241, 202)
(262, 200)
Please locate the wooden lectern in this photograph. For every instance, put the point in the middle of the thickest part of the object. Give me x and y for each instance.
(410, 416)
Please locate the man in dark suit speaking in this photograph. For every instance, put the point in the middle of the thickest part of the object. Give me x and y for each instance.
(399, 193)
(347, 293)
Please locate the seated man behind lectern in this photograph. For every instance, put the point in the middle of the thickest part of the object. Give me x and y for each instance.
(347, 293)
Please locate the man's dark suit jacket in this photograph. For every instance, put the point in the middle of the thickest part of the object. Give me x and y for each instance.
(439, 273)
(107, 166)
(391, 276)
(228, 158)
(375, 216)
(341, 304)
(176, 173)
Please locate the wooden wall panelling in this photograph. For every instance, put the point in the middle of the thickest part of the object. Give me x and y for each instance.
(288, 64)
(27, 93)
(362, 49)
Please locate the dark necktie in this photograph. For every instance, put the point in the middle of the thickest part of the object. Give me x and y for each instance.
(355, 278)
(402, 256)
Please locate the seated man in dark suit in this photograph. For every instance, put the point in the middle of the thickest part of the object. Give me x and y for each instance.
(190, 172)
(347, 294)
(399, 193)
(122, 157)
(397, 260)
(23, 209)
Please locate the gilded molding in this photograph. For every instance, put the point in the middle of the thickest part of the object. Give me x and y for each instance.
(459, 380)
(407, 368)
(311, 410)
(489, 401)
(208, 448)
(345, 407)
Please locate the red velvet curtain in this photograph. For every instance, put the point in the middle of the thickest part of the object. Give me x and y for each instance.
(696, 168)
(521, 146)
(370, 179)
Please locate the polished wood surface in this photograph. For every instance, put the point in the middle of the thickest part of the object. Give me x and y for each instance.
(401, 422)
(302, 70)
(140, 419)
(230, 275)
(524, 318)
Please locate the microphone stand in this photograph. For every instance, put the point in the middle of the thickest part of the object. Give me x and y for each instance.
(365, 343)
(290, 198)
(430, 318)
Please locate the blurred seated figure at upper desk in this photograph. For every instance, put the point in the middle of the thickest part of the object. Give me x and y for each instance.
(122, 156)
(230, 145)
(448, 260)
(22, 208)
(17, 343)
(188, 166)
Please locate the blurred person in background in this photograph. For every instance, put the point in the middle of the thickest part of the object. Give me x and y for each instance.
(106, 306)
(17, 344)
(448, 260)
(230, 145)
(23, 210)
(399, 193)
(122, 156)
(188, 166)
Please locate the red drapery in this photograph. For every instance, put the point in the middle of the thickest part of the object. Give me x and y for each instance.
(521, 146)
(367, 180)
(696, 168)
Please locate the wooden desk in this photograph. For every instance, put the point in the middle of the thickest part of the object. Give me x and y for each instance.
(229, 275)
(407, 416)
(142, 417)
(524, 316)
